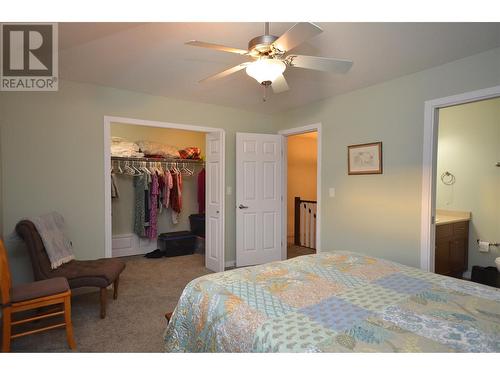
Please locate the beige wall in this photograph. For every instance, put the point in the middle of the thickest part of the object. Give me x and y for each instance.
(53, 150)
(302, 155)
(469, 147)
(380, 214)
(123, 207)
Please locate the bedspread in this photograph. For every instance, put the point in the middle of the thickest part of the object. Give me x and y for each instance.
(334, 302)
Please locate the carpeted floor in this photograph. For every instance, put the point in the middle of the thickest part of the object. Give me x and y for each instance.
(296, 251)
(135, 322)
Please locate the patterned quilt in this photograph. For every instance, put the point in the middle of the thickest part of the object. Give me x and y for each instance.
(334, 302)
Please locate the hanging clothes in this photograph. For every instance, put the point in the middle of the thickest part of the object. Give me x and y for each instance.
(152, 230)
(161, 190)
(169, 184)
(176, 196)
(201, 191)
(179, 192)
(147, 206)
(140, 188)
(114, 187)
(156, 190)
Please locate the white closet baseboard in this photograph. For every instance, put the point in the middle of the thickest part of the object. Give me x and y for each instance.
(131, 244)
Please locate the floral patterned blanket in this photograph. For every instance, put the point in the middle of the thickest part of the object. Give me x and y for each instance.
(334, 302)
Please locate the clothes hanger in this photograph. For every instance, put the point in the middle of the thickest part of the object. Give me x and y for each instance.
(188, 171)
(158, 168)
(137, 171)
(164, 167)
(128, 170)
(174, 167)
(183, 169)
(152, 168)
(144, 167)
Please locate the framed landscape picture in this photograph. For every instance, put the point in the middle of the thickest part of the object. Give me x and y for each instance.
(364, 158)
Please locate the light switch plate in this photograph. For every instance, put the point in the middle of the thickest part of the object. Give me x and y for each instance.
(331, 192)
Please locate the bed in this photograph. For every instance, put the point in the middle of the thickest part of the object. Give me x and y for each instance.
(334, 302)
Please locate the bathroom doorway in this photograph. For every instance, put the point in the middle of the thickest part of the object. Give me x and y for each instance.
(468, 182)
(461, 180)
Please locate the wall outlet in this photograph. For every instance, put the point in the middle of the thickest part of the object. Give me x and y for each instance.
(331, 192)
(229, 190)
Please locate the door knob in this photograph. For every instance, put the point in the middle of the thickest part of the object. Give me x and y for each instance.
(241, 207)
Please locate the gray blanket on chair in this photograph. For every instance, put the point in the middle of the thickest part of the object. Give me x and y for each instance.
(51, 228)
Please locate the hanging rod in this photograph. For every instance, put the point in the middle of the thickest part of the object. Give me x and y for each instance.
(159, 160)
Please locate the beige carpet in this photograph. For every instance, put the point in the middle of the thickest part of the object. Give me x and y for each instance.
(136, 321)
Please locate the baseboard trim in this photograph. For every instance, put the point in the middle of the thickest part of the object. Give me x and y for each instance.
(230, 263)
(131, 244)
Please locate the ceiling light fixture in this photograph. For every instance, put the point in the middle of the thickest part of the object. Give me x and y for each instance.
(266, 70)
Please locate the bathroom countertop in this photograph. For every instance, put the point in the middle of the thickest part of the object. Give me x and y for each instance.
(448, 217)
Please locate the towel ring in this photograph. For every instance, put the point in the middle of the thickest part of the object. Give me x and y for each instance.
(448, 178)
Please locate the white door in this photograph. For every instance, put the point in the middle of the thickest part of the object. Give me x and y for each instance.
(214, 225)
(258, 198)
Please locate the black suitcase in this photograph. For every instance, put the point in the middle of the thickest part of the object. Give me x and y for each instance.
(177, 243)
(197, 223)
(486, 275)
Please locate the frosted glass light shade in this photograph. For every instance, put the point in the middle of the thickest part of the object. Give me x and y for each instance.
(266, 70)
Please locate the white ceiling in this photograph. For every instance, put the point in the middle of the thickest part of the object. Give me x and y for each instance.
(152, 57)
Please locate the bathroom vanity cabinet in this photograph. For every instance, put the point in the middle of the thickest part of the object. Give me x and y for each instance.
(452, 242)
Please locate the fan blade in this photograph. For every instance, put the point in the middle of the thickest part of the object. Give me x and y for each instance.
(324, 64)
(297, 34)
(225, 73)
(219, 47)
(280, 85)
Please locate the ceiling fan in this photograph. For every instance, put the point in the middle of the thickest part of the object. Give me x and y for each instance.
(271, 57)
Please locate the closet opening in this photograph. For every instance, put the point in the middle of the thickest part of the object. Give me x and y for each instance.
(163, 193)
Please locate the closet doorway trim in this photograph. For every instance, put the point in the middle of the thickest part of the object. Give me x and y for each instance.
(108, 120)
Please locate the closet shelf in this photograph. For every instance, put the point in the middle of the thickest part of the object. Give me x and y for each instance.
(159, 160)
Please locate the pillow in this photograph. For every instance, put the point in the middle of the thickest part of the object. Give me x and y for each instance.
(190, 153)
(158, 149)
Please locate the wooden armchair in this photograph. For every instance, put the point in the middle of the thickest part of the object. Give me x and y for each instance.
(29, 297)
(98, 273)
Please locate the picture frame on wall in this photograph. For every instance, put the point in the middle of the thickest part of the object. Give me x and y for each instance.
(364, 158)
